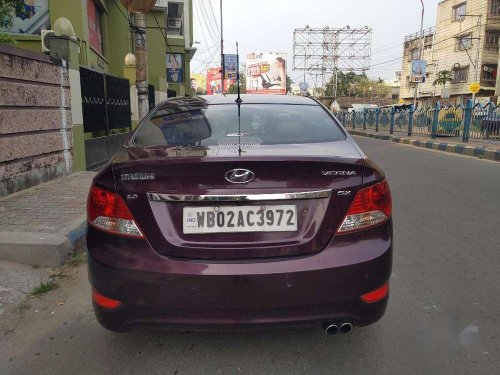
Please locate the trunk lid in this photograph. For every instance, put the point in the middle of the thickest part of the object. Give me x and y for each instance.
(176, 172)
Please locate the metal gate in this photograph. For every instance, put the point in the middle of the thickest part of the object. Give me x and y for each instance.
(107, 119)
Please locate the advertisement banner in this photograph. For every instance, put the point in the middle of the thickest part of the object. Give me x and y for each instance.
(214, 81)
(30, 18)
(266, 73)
(175, 72)
(230, 67)
(418, 71)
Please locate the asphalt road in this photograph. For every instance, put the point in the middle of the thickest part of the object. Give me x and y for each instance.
(443, 316)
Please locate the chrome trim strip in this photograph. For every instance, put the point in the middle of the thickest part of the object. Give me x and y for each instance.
(157, 197)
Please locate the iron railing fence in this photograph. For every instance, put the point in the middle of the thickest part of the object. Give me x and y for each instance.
(485, 122)
(468, 122)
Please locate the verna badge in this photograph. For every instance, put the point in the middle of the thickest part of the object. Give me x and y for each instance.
(339, 173)
(239, 176)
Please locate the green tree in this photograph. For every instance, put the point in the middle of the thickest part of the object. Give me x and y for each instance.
(9, 8)
(233, 89)
(357, 85)
(289, 82)
(443, 77)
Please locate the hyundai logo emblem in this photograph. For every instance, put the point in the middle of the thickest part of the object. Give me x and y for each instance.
(239, 176)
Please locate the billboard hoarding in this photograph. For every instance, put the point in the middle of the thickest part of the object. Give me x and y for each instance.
(266, 73)
(214, 81)
(198, 83)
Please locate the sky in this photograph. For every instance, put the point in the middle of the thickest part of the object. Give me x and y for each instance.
(268, 25)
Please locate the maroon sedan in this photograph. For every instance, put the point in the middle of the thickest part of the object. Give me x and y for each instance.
(222, 214)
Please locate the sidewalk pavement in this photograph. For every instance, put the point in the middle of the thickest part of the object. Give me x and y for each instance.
(42, 225)
(486, 149)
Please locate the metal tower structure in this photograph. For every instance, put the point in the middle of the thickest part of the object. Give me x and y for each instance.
(328, 51)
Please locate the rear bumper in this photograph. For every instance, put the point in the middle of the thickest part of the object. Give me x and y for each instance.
(188, 294)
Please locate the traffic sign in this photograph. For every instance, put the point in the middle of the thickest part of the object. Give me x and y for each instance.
(474, 87)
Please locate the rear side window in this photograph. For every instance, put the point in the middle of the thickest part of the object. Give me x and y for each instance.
(258, 124)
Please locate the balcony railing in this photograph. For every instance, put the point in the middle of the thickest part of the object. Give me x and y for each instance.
(427, 32)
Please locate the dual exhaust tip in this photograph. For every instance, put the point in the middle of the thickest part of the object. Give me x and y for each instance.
(333, 328)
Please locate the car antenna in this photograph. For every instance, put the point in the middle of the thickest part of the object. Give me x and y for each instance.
(238, 99)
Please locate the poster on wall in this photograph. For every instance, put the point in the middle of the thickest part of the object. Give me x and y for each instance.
(31, 18)
(266, 73)
(418, 71)
(94, 15)
(175, 71)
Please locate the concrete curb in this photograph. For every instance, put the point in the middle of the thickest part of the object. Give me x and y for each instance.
(43, 249)
(462, 149)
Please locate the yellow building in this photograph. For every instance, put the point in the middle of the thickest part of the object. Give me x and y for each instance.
(465, 42)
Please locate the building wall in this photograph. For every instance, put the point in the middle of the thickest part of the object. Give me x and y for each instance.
(446, 42)
(118, 40)
(445, 56)
(31, 151)
(413, 43)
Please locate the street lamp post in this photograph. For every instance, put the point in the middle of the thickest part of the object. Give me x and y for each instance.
(420, 54)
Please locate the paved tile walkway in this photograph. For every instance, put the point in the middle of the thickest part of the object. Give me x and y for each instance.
(47, 207)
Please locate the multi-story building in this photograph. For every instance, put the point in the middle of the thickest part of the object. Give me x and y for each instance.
(395, 85)
(411, 52)
(105, 38)
(464, 42)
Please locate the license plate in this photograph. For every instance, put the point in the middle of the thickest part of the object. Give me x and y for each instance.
(233, 219)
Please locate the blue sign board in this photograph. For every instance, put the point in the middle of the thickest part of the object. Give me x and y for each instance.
(230, 66)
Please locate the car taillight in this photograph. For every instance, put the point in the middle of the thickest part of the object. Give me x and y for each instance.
(105, 302)
(371, 206)
(377, 294)
(107, 211)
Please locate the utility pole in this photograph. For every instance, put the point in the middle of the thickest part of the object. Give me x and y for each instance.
(141, 53)
(221, 49)
(420, 54)
(139, 8)
(477, 55)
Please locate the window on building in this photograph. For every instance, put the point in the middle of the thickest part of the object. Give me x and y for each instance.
(489, 73)
(491, 39)
(414, 54)
(458, 12)
(175, 19)
(495, 7)
(95, 15)
(407, 83)
(464, 42)
(460, 74)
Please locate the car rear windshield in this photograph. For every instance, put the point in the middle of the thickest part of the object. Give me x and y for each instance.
(219, 125)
